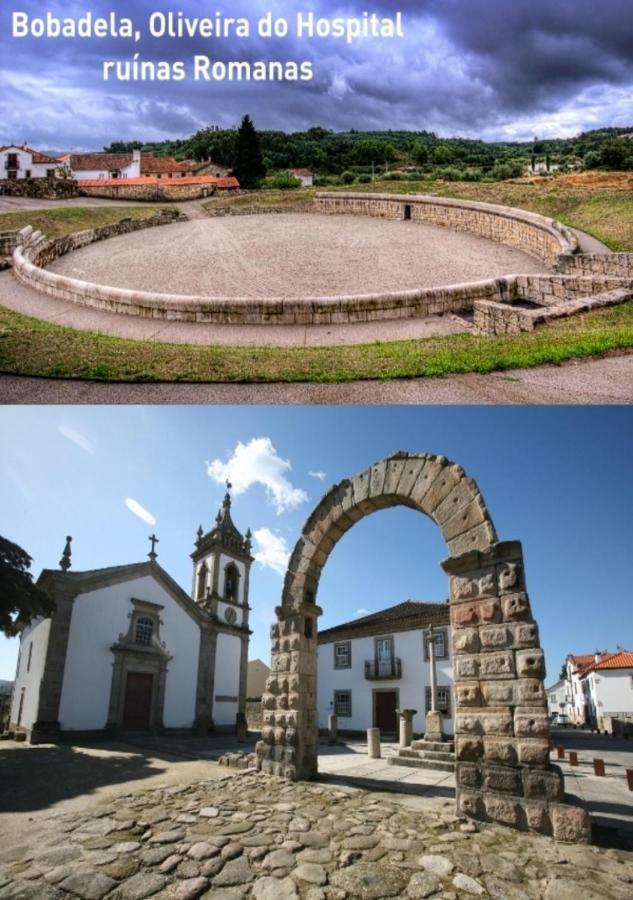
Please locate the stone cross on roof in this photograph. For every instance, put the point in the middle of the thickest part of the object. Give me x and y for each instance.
(152, 553)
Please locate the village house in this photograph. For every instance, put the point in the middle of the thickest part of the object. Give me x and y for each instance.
(608, 690)
(557, 698)
(374, 665)
(128, 649)
(20, 162)
(91, 166)
(305, 176)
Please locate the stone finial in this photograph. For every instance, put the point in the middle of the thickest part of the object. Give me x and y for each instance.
(199, 533)
(248, 539)
(226, 503)
(152, 553)
(65, 563)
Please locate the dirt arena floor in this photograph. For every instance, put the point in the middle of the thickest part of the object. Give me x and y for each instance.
(292, 255)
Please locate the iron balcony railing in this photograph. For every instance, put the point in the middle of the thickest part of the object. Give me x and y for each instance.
(375, 669)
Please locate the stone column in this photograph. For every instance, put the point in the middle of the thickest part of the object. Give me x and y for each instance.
(203, 722)
(332, 728)
(503, 772)
(433, 730)
(406, 726)
(290, 731)
(373, 743)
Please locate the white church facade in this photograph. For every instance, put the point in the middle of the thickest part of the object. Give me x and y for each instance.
(128, 649)
(372, 666)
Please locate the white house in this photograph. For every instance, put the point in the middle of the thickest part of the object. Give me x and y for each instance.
(608, 689)
(305, 176)
(575, 668)
(372, 666)
(94, 166)
(557, 698)
(128, 649)
(19, 162)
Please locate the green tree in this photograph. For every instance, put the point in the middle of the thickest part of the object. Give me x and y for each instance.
(442, 155)
(20, 599)
(420, 154)
(371, 150)
(249, 164)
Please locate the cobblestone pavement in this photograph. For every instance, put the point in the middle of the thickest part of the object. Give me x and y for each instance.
(248, 835)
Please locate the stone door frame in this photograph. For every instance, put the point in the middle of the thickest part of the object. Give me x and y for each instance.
(503, 772)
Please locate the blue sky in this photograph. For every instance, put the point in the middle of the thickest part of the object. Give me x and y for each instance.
(558, 479)
(497, 69)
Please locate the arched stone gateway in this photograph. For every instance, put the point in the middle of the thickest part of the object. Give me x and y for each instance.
(501, 727)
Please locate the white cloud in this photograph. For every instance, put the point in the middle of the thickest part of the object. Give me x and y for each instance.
(135, 507)
(361, 612)
(257, 462)
(77, 438)
(320, 475)
(271, 550)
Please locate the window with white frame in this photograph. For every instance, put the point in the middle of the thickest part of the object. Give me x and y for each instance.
(144, 631)
(343, 655)
(343, 704)
(441, 644)
(442, 700)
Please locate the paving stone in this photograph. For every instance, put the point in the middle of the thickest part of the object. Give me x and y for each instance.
(212, 866)
(438, 865)
(268, 888)
(370, 881)
(191, 888)
(121, 868)
(156, 855)
(142, 885)
(126, 847)
(279, 859)
(88, 885)
(468, 885)
(188, 869)
(236, 828)
(231, 851)
(169, 864)
(209, 812)
(423, 884)
(236, 871)
(360, 842)
(167, 837)
(313, 873)
(54, 876)
(203, 850)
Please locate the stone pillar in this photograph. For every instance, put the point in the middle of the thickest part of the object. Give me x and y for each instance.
(332, 728)
(406, 726)
(503, 772)
(290, 730)
(373, 743)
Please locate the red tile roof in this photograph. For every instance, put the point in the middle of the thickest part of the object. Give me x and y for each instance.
(151, 165)
(162, 182)
(623, 659)
(84, 162)
(37, 155)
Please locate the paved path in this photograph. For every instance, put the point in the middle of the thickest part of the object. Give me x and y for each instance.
(588, 243)
(599, 381)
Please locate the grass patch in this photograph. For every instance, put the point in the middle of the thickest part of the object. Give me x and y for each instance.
(31, 347)
(63, 220)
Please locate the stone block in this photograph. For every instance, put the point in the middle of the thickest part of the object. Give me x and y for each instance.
(469, 775)
(471, 804)
(412, 478)
(468, 749)
(496, 665)
(484, 584)
(545, 784)
(530, 663)
(530, 692)
(503, 810)
(499, 693)
(516, 607)
(467, 693)
(537, 816)
(531, 722)
(393, 474)
(500, 751)
(481, 537)
(377, 478)
(569, 823)
(533, 752)
(473, 514)
(435, 484)
(475, 612)
(486, 720)
(510, 576)
(503, 779)
(525, 635)
(466, 668)
(462, 494)
(495, 637)
(465, 640)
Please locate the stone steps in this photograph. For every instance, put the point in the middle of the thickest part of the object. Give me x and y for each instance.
(434, 746)
(415, 762)
(441, 755)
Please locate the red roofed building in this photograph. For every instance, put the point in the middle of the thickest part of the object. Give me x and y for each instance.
(305, 176)
(600, 688)
(20, 162)
(91, 166)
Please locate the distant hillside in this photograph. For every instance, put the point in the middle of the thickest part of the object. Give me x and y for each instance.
(331, 153)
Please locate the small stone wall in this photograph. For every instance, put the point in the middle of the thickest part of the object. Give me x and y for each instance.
(220, 211)
(165, 190)
(616, 265)
(531, 233)
(41, 188)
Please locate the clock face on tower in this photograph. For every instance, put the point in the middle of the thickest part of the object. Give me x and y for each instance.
(230, 615)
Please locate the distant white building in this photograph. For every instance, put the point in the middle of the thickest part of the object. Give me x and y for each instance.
(557, 698)
(94, 166)
(128, 649)
(372, 666)
(608, 689)
(305, 176)
(20, 162)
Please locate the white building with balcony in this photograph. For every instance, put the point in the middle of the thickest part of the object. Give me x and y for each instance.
(22, 162)
(372, 666)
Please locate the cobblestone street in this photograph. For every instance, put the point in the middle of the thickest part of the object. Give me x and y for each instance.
(248, 835)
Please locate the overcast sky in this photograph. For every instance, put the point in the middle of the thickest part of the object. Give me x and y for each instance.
(557, 479)
(496, 69)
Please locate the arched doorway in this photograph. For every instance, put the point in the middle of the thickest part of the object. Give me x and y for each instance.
(503, 772)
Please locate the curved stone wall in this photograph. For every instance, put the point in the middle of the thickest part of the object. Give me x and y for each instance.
(526, 231)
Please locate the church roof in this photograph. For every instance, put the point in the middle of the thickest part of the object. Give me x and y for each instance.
(225, 532)
(401, 617)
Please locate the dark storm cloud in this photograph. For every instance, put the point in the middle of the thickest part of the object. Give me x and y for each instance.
(498, 68)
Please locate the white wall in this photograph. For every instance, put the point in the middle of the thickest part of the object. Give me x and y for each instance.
(227, 678)
(408, 647)
(37, 634)
(612, 691)
(97, 620)
(25, 161)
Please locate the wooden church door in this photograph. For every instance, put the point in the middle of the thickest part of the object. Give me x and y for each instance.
(138, 701)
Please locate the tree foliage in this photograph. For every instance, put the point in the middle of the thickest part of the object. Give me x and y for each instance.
(249, 165)
(20, 599)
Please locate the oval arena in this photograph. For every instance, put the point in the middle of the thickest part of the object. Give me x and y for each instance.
(354, 257)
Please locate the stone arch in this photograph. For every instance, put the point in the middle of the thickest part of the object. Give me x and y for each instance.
(503, 772)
